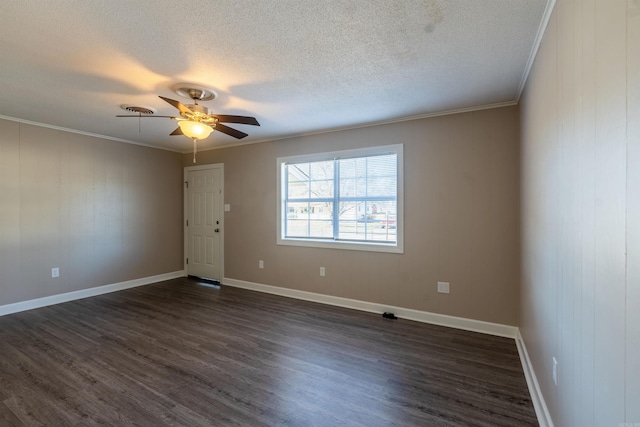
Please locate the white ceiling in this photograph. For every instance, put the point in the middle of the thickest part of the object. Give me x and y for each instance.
(298, 66)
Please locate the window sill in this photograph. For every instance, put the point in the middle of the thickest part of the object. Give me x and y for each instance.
(353, 246)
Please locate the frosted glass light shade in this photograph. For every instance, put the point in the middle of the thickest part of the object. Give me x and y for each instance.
(195, 130)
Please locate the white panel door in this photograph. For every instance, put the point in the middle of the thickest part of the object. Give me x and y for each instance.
(204, 223)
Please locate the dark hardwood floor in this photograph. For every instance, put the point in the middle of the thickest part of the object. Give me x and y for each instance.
(178, 353)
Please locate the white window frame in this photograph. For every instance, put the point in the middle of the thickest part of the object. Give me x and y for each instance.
(397, 247)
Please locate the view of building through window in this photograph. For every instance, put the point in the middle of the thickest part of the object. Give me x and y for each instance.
(352, 199)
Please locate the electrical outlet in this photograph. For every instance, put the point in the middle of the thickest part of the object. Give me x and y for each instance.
(555, 372)
(443, 287)
(322, 271)
(261, 264)
(55, 272)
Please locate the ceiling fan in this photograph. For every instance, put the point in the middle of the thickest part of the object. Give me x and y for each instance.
(196, 121)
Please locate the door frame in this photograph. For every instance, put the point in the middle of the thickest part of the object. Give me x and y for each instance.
(185, 215)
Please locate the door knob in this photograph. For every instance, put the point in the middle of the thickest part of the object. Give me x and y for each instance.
(217, 230)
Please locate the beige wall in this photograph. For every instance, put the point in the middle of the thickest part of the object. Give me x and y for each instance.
(102, 211)
(580, 296)
(461, 212)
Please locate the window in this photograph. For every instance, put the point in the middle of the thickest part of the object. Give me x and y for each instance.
(347, 199)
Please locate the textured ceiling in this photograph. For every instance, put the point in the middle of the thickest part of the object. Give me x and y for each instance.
(298, 66)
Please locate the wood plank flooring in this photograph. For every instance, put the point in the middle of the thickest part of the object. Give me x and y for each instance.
(179, 353)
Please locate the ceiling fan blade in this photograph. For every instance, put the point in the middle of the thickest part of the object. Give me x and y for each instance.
(230, 131)
(245, 120)
(178, 105)
(137, 115)
(178, 131)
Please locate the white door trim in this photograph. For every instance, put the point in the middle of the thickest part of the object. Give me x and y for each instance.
(185, 214)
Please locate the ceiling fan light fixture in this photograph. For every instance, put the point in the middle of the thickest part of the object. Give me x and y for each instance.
(195, 130)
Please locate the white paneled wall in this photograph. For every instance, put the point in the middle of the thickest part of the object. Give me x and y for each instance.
(632, 381)
(580, 293)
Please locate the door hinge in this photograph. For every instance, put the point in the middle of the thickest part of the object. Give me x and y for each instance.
(187, 223)
(187, 183)
(187, 261)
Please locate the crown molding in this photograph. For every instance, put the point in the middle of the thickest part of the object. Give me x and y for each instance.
(542, 29)
(366, 125)
(81, 132)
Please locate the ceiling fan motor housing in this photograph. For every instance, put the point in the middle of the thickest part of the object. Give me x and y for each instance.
(201, 114)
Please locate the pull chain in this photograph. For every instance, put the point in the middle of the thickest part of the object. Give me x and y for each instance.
(194, 150)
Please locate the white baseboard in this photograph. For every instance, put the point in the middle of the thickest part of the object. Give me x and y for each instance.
(405, 313)
(542, 412)
(85, 293)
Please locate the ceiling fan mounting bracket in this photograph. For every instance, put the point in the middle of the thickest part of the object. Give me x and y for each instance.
(195, 92)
